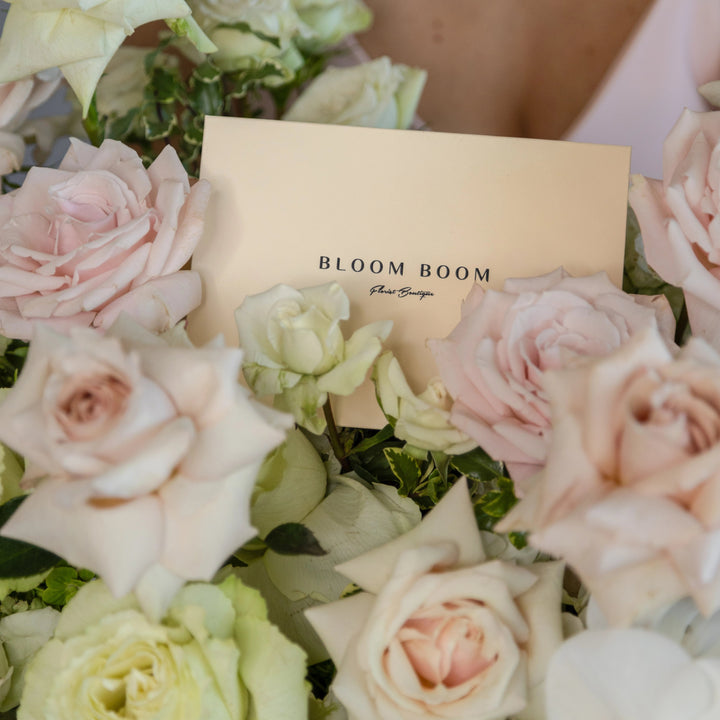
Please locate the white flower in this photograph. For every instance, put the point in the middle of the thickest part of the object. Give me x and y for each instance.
(374, 94)
(22, 634)
(215, 656)
(295, 350)
(332, 20)
(78, 37)
(421, 420)
(439, 631)
(630, 674)
(253, 34)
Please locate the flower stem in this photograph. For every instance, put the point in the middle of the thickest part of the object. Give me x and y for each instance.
(333, 432)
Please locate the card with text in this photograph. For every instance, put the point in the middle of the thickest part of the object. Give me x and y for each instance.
(405, 221)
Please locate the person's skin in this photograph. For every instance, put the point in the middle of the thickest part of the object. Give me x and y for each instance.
(504, 67)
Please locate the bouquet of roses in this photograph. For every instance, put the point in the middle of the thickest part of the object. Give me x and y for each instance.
(532, 535)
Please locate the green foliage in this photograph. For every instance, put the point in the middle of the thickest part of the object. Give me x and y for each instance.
(62, 583)
(176, 100)
(639, 278)
(12, 360)
(293, 539)
(320, 675)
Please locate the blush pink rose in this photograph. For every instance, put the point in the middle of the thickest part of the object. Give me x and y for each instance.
(493, 363)
(679, 218)
(100, 236)
(630, 493)
(142, 457)
(440, 631)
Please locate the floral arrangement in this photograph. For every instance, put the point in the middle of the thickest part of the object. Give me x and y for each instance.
(534, 535)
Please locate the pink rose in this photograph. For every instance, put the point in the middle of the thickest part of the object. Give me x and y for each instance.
(99, 236)
(143, 456)
(493, 363)
(630, 493)
(678, 218)
(440, 631)
(17, 99)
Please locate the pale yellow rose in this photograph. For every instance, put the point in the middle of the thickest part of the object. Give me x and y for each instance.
(373, 94)
(213, 657)
(439, 631)
(630, 493)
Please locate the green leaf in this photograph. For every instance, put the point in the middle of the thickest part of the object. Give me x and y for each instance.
(405, 468)
(293, 539)
(18, 558)
(63, 583)
(370, 442)
(477, 464)
(120, 127)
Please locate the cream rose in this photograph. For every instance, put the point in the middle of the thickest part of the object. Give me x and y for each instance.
(295, 349)
(493, 363)
(79, 37)
(143, 457)
(17, 100)
(253, 35)
(678, 218)
(100, 236)
(421, 420)
(213, 657)
(629, 493)
(439, 631)
(373, 94)
(332, 20)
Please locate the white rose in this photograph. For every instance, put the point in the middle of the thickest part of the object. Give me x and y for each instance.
(78, 37)
(332, 20)
(373, 94)
(266, 41)
(439, 632)
(295, 350)
(21, 636)
(421, 420)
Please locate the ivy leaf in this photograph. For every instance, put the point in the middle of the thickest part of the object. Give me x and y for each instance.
(63, 583)
(18, 558)
(405, 468)
(478, 465)
(293, 539)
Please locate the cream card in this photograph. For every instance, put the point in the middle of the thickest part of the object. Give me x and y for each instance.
(405, 221)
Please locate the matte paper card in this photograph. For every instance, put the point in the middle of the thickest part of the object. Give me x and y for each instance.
(405, 221)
